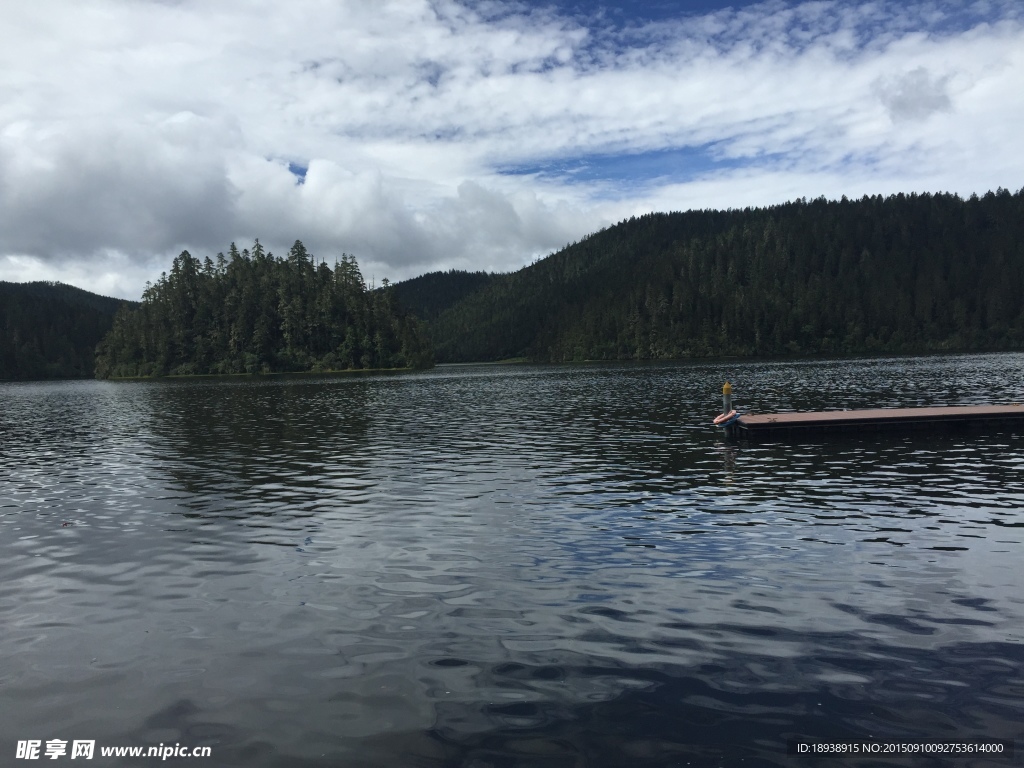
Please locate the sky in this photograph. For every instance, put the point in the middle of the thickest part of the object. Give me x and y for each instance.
(420, 135)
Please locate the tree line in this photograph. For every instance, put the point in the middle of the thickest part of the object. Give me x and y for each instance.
(252, 312)
(50, 330)
(878, 275)
(899, 274)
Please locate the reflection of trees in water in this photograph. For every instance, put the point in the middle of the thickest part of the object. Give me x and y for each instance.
(260, 447)
(628, 423)
(614, 436)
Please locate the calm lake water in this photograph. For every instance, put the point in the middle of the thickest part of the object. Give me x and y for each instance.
(508, 566)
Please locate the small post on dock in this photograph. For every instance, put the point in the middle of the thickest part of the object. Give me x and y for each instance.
(728, 416)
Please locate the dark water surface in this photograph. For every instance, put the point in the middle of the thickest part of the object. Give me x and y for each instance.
(508, 566)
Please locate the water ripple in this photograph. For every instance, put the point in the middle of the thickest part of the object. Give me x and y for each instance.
(508, 565)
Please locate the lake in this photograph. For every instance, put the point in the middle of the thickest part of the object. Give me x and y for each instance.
(509, 566)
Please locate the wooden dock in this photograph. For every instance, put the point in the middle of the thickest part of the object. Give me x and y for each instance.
(780, 425)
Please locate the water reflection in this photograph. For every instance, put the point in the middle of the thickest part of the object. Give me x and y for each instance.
(506, 566)
(242, 449)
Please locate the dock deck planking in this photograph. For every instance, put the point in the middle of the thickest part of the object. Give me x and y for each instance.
(874, 419)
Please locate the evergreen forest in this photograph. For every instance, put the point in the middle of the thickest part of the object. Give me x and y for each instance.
(251, 312)
(50, 330)
(899, 274)
(879, 275)
(427, 296)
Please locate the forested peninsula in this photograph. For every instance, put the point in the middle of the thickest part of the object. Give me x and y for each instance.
(899, 274)
(251, 312)
(50, 330)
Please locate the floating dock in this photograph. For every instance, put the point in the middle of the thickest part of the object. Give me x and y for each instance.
(937, 418)
(770, 425)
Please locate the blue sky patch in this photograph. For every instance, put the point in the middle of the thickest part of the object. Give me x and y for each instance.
(676, 165)
(619, 12)
(298, 171)
(640, 11)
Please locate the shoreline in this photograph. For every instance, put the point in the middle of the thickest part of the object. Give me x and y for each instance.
(268, 374)
(732, 359)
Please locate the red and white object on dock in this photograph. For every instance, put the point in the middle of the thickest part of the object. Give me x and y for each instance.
(728, 414)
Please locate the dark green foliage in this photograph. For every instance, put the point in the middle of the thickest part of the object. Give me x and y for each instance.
(427, 296)
(50, 330)
(907, 273)
(250, 312)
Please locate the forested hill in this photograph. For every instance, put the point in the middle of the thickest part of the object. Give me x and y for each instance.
(905, 273)
(251, 312)
(428, 295)
(50, 330)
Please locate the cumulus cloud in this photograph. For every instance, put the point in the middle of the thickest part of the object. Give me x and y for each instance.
(435, 134)
(69, 189)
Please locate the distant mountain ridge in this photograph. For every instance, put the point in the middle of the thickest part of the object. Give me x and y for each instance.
(50, 330)
(904, 273)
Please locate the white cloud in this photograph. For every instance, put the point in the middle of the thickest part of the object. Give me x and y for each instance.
(129, 131)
